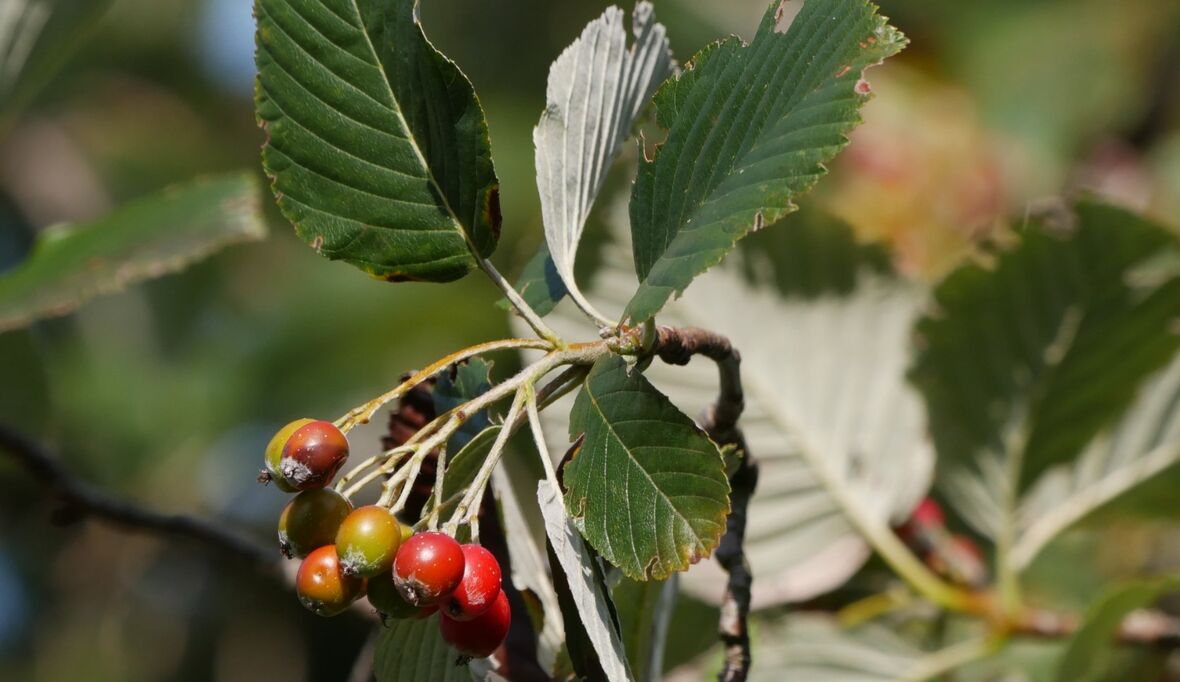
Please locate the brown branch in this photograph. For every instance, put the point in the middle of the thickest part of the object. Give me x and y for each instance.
(80, 499)
(677, 346)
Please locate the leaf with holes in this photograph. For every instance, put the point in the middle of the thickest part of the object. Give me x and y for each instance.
(597, 89)
(147, 238)
(377, 145)
(1027, 359)
(647, 488)
(749, 131)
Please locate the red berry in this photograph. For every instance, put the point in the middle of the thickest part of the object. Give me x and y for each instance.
(310, 521)
(928, 513)
(384, 597)
(368, 541)
(479, 638)
(428, 567)
(478, 589)
(312, 455)
(322, 587)
(274, 455)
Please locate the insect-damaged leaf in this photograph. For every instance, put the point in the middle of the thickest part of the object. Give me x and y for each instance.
(378, 147)
(749, 130)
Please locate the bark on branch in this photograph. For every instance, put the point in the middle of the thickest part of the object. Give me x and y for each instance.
(677, 346)
(80, 499)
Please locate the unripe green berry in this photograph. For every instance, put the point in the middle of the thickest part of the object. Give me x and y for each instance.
(368, 540)
(310, 521)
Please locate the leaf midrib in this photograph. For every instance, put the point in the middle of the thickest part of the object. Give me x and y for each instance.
(442, 197)
(660, 492)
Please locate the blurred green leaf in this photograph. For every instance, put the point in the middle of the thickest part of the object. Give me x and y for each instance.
(147, 238)
(1027, 358)
(1140, 447)
(1088, 655)
(646, 487)
(412, 650)
(378, 147)
(645, 609)
(36, 38)
(749, 131)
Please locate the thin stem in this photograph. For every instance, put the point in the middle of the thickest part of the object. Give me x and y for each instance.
(387, 467)
(1082, 502)
(539, 438)
(468, 507)
(363, 413)
(588, 309)
(526, 311)
(951, 658)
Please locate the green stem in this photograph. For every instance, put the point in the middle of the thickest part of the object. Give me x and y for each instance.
(363, 413)
(526, 311)
(951, 658)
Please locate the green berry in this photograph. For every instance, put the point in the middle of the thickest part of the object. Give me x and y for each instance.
(368, 540)
(310, 521)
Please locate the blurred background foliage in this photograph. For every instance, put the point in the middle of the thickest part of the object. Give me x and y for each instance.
(168, 392)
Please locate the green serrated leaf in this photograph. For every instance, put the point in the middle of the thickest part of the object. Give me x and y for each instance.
(1027, 358)
(412, 650)
(749, 131)
(646, 488)
(377, 145)
(1088, 654)
(147, 238)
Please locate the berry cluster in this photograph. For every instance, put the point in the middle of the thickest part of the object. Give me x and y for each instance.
(348, 553)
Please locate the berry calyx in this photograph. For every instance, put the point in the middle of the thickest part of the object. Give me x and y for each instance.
(481, 636)
(310, 521)
(428, 567)
(368, 540)
(312, 455)
(384, 597)
(478, 589)
(274, 455)
(322, 587)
